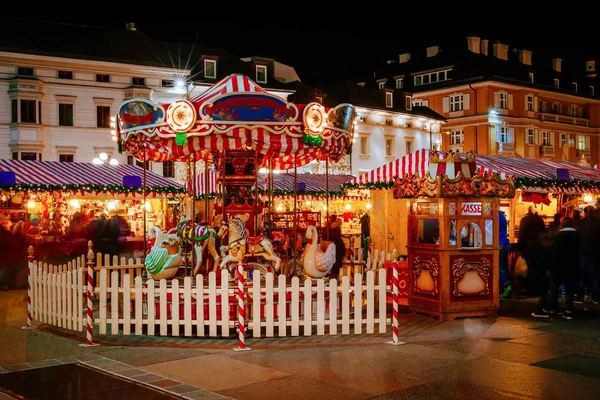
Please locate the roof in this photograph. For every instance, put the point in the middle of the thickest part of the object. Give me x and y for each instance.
(54, 175)
(468, 66)
(529, 173)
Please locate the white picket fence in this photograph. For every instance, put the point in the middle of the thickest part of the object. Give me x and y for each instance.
(168, 308)
(123, 303)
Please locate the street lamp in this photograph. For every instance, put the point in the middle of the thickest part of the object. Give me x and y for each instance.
(103, 158)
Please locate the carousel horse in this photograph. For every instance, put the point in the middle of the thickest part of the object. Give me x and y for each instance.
(204, 237)
(316, 262)
(163, 259)
(241, 246)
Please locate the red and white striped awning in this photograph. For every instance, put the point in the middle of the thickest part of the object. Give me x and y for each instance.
(597, 166)
(201, 187)
(418, 162)
(230, 84)
(74, 173)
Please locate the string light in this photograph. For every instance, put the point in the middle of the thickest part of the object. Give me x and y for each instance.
(21, 187)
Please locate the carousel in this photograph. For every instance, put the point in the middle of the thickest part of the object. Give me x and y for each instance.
(237, 128)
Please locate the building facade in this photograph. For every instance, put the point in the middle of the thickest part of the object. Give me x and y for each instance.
(497, 100)
(58, 91)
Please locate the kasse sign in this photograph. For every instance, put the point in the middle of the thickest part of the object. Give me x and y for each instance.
(470, 209)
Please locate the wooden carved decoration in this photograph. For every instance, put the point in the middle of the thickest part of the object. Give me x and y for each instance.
(432, 267)
(483, 268)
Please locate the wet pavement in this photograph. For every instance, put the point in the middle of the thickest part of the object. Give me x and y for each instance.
(512, 356)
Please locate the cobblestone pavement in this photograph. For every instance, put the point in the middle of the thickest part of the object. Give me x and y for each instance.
(512, 356)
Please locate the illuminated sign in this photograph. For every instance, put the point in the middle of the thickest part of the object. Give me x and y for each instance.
(470, 209)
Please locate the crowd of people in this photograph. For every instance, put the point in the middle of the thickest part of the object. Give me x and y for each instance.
(562, 259)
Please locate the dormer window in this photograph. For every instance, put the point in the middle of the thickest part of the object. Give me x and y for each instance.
(382, 85)
(408, 101)
(399, 83)
(574, 86)
(25, 71)
(556, 83)
(261, 73)
(210, 69)
(137, 81)
(389, 99)
(319, 99)
(531, 76)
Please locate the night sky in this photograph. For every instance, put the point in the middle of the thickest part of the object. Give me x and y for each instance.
(339, 43)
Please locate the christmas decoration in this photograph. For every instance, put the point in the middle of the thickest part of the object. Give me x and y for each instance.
(74, 188)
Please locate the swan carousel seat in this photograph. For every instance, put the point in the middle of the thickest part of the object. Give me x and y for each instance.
(164, 260)
(317, 259)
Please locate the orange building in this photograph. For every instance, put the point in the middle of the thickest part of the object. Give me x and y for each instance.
(497, 101)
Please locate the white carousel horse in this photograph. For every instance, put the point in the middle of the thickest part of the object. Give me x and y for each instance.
(241, 245)
(317, 263)
(203, 236)
(163, 259)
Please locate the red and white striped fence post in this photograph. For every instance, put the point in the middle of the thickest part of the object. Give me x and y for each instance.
(395, 302)
(241, 310)
(90, 298)
(29, 266)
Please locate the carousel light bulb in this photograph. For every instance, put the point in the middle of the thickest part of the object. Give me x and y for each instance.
(74, 203)
(279, 207)
(114, 162)
(368, 206)
(148, 206)
(347, 207)
(588, 198)
(324, 208)
(103, 156)
(31, 204)
(113, 132)
(112, 119)
(114, 138)
(111, 205)
(113, 125)
(308, 203)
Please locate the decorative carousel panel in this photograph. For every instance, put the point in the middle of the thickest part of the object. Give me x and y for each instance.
(429, 186)
(477, 186)
(249, 107)
(138, 114)
(426, 272)
(342, 117)
(471, 276)
(407, 187)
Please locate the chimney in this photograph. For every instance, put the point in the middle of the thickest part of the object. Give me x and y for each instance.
(590, 67)
(130, 26)
(500, 51)
(525, 57)
(404, 57)
(473, 44)
(557, 64)
(484, 46)
(432, 51)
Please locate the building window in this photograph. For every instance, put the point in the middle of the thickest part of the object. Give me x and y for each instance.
(65, 114)
(420, 103)
(432, 77)
(389, 147)
(530, 136)
(210, 69)
(14, 111)
(168, 169)
(364, 145)
(399, 83)
(389, 100)
(102, 116)
(408, 102)
(530, 100)
(574, 86)
(137, 81)
(28, 111)
(15, 155)
(131, 160)
(261, 73)
(582, 142)
(573, 110)
(504, 135)
(168, 83)
(456, 102)
(546, 139)
(556, 83)
(102, 78)
(531, 76)
(591, 90)
(457, 137)
(319, 99)
(556, 108)
(25, 71)
(65, 74)
(409, 146)
(564, 139)
(503, 100)
(29, 156)
(382, 85)
(66, 157)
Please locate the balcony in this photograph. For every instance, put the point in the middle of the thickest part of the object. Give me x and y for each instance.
(505, 148)
(547, 151)
(564, 119)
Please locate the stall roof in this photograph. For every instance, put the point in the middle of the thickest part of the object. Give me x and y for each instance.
(54, 175)
(529, 173)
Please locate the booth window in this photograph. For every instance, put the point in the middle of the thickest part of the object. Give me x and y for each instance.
(489, 232)
(470, 235)
(429, 231)
(452, 234)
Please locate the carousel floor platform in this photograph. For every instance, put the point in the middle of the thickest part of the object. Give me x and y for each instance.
(511, 356)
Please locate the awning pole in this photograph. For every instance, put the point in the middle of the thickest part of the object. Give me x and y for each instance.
(270, 189)
(193, 225)
(144, 202)
(327, 195)
(254, 207)
(206, 183)
(295, 205)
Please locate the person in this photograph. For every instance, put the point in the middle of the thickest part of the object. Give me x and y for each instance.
(18, 260)
(365, 233)
(6, 271)
(434, 237)
(576, 216)
(333, 233)
(530, 231)
(504, 251)
(588, 255)
(563, 264)
(554, 226)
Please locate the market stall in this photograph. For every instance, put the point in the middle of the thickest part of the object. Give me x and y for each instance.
(59, 205)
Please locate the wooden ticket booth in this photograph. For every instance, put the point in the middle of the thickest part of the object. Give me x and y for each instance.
(453, 248)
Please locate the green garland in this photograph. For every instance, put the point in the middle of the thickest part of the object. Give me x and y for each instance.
(44, 187)
(281, 192)
(309, 140)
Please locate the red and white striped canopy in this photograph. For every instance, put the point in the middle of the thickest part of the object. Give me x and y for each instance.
(597, 166)
(418, 162)
(201, 187)
(230, 84)
(74, 173)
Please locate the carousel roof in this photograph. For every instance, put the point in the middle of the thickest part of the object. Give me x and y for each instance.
(529, 173)
(54, 175)
(235, 113)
